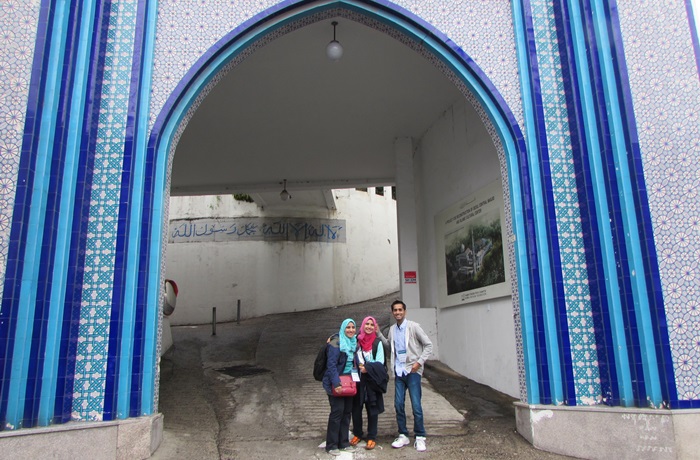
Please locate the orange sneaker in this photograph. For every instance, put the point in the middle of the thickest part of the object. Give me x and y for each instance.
(354, 440)
(370, 444)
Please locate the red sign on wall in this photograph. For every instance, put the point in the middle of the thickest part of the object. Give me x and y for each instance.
(410, 278)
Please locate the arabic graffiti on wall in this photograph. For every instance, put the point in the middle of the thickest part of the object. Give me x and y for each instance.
(257, 229)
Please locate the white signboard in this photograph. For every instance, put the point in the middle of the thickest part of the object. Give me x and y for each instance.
(471, 260)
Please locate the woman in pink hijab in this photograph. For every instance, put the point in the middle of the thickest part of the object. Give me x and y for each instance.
(372, 385)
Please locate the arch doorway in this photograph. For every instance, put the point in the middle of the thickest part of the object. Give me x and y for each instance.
(266, 104)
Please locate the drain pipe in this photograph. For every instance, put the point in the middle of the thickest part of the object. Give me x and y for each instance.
(238, 313)
(213, 321)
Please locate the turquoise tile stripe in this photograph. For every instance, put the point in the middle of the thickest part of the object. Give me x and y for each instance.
(153, 314)
(570, 233)
(622, 360)
(551, 332)
(626, 196)
(63, 237)
(140, 90)
(32, 256)
(91, 362)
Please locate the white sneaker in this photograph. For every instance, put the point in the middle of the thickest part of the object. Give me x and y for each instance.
(420, 444)
(401, 441)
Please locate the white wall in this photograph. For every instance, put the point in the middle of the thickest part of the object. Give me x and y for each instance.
(277, 277)
(455, 158)
(427, 318)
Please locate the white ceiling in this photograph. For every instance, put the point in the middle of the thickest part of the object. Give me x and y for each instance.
(288, 112)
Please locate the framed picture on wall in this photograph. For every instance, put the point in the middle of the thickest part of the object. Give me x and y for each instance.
(471, 258)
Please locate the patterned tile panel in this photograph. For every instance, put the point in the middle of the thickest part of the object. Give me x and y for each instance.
(666, 94)
(17, 38)
(92, 353)
(484, 30)
(186, 29)
(579, 314)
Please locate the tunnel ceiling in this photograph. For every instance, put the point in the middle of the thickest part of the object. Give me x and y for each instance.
(288, 112)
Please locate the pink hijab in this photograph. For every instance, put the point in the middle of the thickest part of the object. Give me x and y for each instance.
(366, 340)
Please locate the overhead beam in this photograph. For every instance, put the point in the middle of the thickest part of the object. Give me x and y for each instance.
(298, 185)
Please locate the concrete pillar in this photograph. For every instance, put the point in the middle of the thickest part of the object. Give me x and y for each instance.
(406, 217)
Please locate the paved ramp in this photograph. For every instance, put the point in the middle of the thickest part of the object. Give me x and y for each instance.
(305, 404)
(280, 411)
(248, 393)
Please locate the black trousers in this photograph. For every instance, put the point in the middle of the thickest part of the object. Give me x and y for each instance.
(338, 422)
(372, 420)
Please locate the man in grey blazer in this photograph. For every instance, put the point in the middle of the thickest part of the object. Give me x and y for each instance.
(410, 348)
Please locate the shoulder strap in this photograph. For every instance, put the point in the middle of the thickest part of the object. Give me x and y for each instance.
(335, 341)
(375, 346)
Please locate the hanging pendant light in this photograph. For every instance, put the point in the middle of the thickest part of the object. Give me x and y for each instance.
(284, 194)
(334, 50)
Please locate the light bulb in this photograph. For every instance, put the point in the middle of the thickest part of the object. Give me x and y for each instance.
(334, 50)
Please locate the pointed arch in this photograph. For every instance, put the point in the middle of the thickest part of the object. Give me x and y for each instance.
(420, 36)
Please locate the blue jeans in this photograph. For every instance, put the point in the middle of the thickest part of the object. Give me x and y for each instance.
(412, 383)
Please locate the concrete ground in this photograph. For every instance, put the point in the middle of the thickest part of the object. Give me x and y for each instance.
(248, 393)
